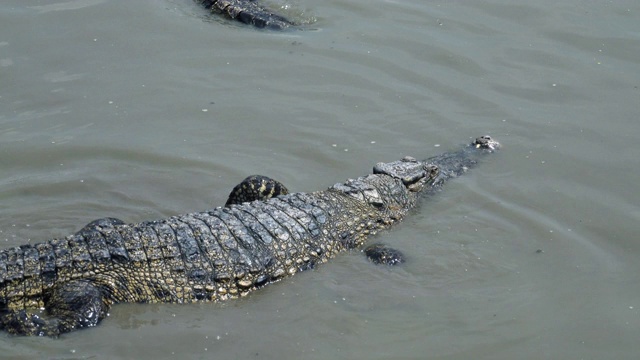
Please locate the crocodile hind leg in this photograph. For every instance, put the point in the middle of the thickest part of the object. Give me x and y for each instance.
(73, 305)
(255, 187)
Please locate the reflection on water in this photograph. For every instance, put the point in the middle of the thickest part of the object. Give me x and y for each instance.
(142, 110)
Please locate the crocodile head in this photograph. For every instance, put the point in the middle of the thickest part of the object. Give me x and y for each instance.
(393, 186)
(413, 174)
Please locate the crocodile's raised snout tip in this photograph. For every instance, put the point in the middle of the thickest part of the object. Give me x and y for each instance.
(487, 143)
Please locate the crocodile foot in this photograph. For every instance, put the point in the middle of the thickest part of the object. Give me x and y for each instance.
(382, 254)
(72, 305)
(256, 187)
(22, 322)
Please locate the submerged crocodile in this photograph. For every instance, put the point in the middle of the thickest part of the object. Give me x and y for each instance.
(262, 235)
(249, 12)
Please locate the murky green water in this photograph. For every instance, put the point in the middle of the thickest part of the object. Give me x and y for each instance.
(146, 109)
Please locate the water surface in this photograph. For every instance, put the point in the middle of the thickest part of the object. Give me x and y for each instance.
(147, 109)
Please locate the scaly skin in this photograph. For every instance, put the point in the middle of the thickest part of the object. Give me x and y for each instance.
(249, 12)
(214, 255)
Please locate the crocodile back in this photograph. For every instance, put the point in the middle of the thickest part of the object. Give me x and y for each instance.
(203, 256)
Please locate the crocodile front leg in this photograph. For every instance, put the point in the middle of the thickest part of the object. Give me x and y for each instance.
(382, 254)
(72, 305)
(255, 187)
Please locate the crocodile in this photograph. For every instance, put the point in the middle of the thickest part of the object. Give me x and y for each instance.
(249, 12)
(262, 235)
